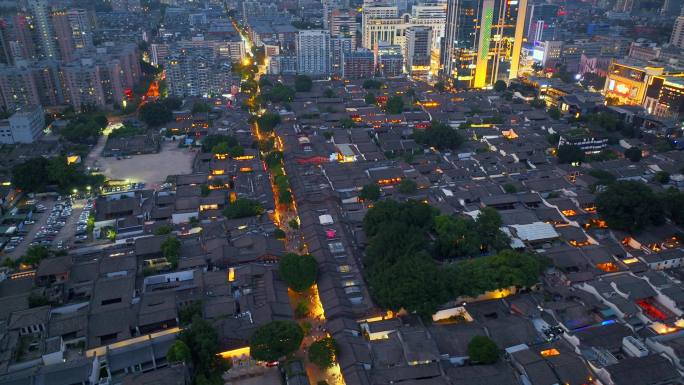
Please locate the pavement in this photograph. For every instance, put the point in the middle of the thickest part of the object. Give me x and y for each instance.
(41, 219)
(69, 230)
(151, 169)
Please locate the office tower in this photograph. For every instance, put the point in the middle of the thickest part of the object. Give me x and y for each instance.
(623, 6)
(126, 6)
(535, 12)
(358, 64)
(313, 52)
(482, 41)
(417, 50)
(21, 43)
(542, 31)
(339, 46)
(41, 21)
(383, 24)
(17, 88)
(5, 53)
(677, 38)
(672, 7)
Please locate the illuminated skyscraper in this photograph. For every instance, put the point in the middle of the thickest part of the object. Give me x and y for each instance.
(482, 41)
(41, 18)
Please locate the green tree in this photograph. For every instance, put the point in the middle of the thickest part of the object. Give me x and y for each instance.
(35, 254)
(201, 107)
(268, 121)
(170, 249)
(275, 340)
(554, 113)
(37, 300)
(407, 186)
(294, 224)
(211, 141)
(662, 177)
(163, 230)
(440, 86)
(323, 352)
(347, 122)
(302, 309)
(179, 352)
(633, 154)
(303, 83)
(298, 271)
(204, 346)
(371, 84)
(439, 135)
(279, 93)
(604, 177)
(509, 188)
(500, 86)
(629, 206)
(483, 350)
(569, 153)
(243, 208)
(329, 93)
(553, 139)
(395, 105)
(370, 98)
(31, 175)
(370, 192)
(155, 113)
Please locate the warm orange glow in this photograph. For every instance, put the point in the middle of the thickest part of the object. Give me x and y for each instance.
(550, 352)
(221, 156)
(389, 181)
(246, 169)
(569, 213)
(244, 157)
(218, 172)
(629, 261)
(213, 206)
(608, 267)
(231, 274)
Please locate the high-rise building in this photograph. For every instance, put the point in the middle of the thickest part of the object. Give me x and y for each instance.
(677, 37)
(358, 64)
(24, 126)
(672, 7)
(81, 33)
(40, 13)
(384, 24)
(548, 13)
(339, 47)
(313, 52)
(63, 34)
(483, 41)
(623, 6)
(343, 24)
(417, 50)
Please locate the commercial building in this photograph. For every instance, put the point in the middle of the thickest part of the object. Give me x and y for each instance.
(483, 41)
(628, 82)
(24, 126)
(384, 24)
(313, 52)
(198, 72)
(417, 51)
(339, 47)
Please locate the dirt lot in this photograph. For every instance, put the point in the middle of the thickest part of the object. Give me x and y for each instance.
(151, 169)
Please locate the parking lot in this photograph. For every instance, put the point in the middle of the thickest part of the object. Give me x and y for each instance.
(56, 224)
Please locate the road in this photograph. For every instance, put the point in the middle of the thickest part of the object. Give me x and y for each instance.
(294, 244)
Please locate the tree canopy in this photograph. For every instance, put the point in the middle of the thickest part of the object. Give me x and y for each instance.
(268, 121)
(370, 192)
(242, 208)
(407, 186)
(275, 340)
(279, 93)
(298, 271)
(37, 174)
(395, 105)
(372, 84)
(170, 249)
(439, 135)
(85, 128)
(483, 350)
(158, 112)
(406, 238)
(323, 352)
(202, 341)
(303, 83)
(568, 153)
(500, 86)
(633, 154)
(629, 206)
(369, 98)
